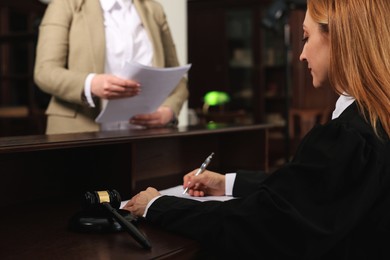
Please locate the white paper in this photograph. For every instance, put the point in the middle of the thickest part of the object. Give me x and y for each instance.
(156, 85)
(178, 192)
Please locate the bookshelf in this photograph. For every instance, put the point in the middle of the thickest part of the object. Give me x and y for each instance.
(22, 104)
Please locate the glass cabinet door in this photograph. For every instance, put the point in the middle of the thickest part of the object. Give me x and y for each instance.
(239, 32)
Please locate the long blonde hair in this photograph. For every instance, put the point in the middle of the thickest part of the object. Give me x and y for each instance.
(359, 32)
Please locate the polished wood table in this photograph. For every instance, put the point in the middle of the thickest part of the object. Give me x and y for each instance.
(44, 177)
(36, 167)
(40, 231)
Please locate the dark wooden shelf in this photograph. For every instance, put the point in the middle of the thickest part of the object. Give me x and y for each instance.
(18, 35)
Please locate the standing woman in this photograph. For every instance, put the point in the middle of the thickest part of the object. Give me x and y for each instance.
(332, 201)
(83, 44)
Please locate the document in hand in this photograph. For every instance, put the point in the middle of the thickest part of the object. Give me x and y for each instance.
(178, 192)
(156, 85)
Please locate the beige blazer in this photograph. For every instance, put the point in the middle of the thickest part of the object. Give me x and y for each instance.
(71, 44)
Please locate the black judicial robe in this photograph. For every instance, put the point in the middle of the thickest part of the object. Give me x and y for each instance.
(332, 201)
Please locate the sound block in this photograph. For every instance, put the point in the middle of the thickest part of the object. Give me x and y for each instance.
(98, 221)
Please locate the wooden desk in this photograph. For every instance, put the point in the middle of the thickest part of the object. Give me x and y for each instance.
(49, 166)
(44, 176)
(40, 231)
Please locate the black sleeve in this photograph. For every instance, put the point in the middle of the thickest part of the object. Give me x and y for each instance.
(304, 209)
(247, 182)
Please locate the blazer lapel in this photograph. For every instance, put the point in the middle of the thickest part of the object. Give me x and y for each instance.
(152, 31)
(94, 23)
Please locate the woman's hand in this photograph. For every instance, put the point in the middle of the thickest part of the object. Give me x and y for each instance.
(159, 118)
(206, 184)
(111, 87)
(138, 203)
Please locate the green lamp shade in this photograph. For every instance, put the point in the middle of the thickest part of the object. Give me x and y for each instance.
(215, 98)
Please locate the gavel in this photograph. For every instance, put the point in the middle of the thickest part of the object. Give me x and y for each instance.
(110, 200)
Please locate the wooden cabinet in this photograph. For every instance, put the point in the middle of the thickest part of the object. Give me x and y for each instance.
(231, 51)
(22, 104)
(222, 46)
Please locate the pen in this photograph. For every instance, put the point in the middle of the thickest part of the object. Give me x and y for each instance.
(202, 168)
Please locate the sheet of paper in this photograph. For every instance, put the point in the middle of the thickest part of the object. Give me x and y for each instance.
(178, 192)
(156, 85)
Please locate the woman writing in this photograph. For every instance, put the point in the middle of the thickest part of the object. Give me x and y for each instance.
(332, 201)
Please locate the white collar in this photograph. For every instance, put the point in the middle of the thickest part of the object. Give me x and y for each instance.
(108, 5)
(342, 103)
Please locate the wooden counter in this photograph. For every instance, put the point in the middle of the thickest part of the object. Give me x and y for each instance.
(40, 231)
(44, 177)
(47, 166)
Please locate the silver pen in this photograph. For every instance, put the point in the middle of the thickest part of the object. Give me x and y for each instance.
(202, 168)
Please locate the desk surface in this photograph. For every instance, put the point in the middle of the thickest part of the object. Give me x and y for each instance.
(60, 165)
(38, 168)
(40, 231)
(43, 142)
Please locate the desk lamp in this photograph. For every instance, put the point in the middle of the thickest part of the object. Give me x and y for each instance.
(214, 98)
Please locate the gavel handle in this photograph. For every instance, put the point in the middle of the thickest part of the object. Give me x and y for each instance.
(130, 228)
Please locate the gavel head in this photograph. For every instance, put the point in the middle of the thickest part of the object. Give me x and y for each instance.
(95, 198)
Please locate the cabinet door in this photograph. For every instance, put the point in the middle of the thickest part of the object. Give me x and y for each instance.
(274, 92)
(22, 104)
(207, 53)
(223, 47)
(241, 60)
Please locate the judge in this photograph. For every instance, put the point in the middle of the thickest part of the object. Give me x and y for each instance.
(332, 201)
